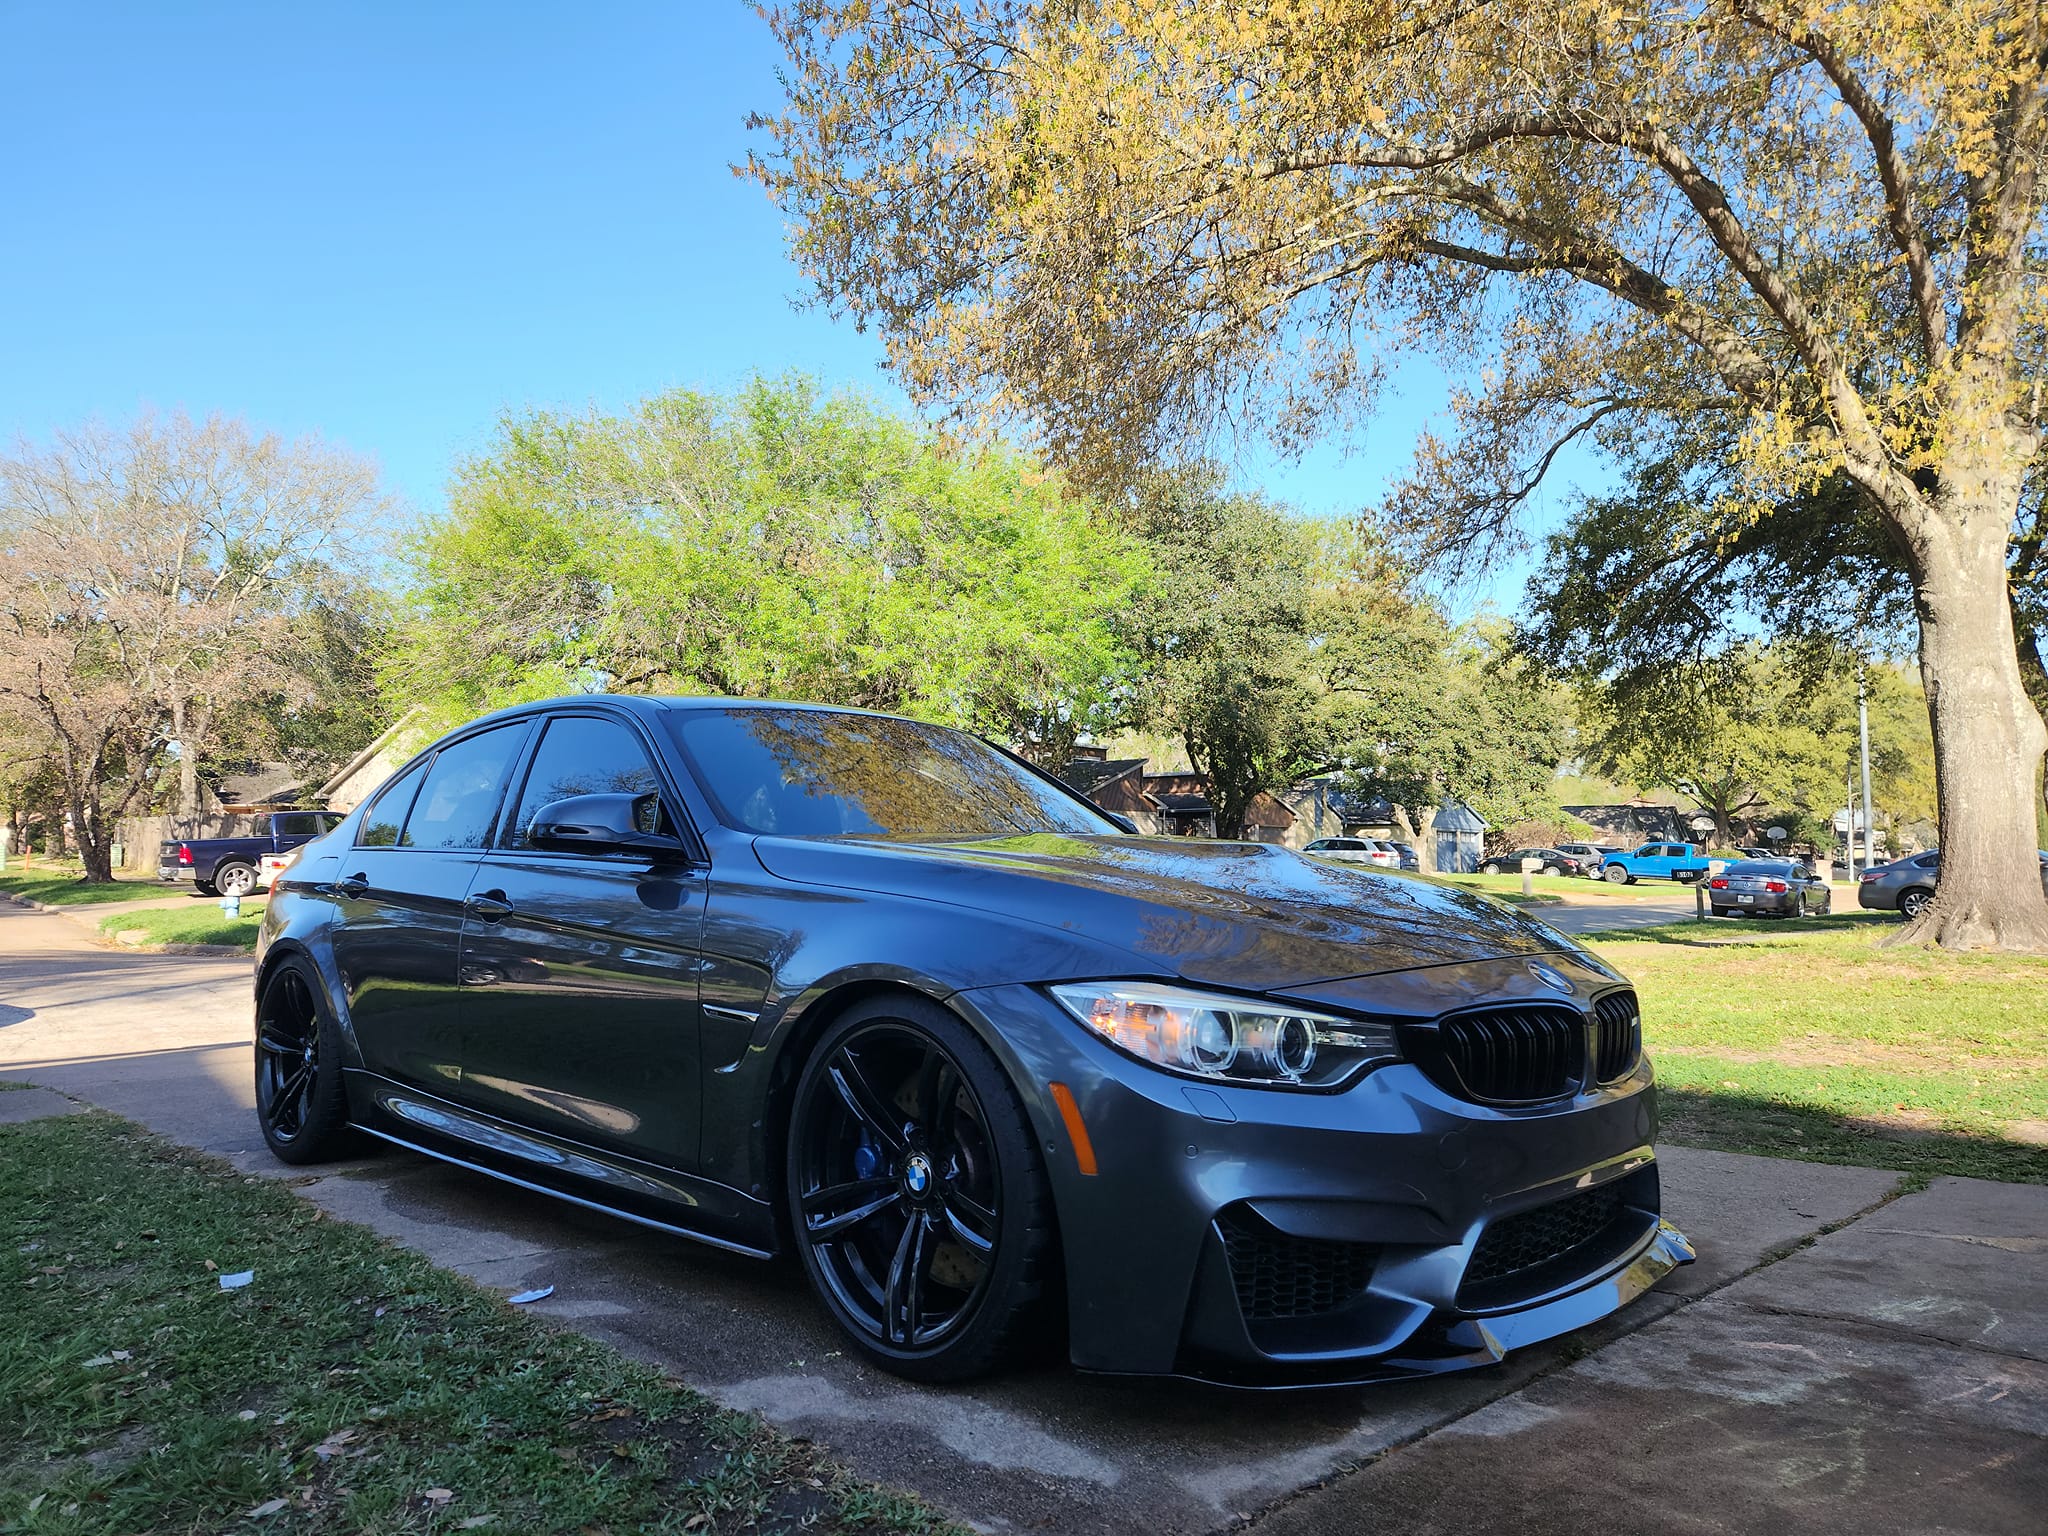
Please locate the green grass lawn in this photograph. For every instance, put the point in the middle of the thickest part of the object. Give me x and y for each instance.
(61, 888)
(1809, 1040)
(199, 923)
(349, 1387)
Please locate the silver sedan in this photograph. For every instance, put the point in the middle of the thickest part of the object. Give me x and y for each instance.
(1777, 887)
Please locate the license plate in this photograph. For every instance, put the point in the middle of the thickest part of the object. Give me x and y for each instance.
(1746, 900)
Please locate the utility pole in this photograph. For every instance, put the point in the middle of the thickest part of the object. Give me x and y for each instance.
(1863, 733)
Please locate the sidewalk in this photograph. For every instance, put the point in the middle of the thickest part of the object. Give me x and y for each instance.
(1843, 1358)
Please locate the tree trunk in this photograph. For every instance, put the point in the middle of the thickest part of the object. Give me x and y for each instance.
(188, 770)
(1988, 736)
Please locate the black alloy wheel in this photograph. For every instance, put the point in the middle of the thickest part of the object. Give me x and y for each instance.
(916, 1195)
(299, 1098)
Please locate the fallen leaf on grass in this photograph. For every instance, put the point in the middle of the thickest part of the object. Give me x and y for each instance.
(473, 1522)
(211, 1265)
(267, 1508)
(332, 1445)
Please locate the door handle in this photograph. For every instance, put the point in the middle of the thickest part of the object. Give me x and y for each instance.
(352, 886)
(488, 905)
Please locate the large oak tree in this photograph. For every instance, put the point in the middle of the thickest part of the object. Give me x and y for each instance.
(1129, 221)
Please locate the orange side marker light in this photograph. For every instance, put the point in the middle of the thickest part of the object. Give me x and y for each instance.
(1084, 1149)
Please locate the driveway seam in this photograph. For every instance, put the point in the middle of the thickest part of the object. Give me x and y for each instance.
(1893, 1330)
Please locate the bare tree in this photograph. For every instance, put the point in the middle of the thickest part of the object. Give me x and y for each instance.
(149, 581)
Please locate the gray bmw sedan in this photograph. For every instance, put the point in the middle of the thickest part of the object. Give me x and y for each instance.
(885, 997)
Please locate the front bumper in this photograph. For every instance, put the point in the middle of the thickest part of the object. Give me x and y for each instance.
(1269, 1238)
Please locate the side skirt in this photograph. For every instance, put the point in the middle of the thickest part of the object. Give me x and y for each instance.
(656, 1197)
(564, 1195)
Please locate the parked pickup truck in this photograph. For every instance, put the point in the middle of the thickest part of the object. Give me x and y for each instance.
(228, 866)
(1658, 861)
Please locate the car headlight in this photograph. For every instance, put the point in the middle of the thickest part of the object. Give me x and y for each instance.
(1231, 1039)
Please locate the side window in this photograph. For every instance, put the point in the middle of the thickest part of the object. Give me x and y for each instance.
(385, 818)
(459, 801)
(294, 826)
(583, 755)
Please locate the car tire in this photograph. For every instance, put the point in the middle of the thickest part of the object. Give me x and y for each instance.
(1552, 869)
(901, 1177)
(205, 888)
(1614, 874)
(1723, 911)
(301, 1104)
(234, 880)
(1799, 907)
(1489, 868)
(1912, 903)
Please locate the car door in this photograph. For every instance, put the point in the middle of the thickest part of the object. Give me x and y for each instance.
(400, 894)
(579, 969)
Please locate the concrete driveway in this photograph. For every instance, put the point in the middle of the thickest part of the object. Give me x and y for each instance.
(1843, 1358)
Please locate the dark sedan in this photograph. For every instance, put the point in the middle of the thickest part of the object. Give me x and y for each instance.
(1554, 861)
(1769, 888)
(791, 979)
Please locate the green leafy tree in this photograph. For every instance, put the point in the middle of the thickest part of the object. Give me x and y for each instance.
(1475, 723)
(1266, 642)
(777, 542)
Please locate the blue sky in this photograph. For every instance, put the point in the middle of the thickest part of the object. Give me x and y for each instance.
(388, 223)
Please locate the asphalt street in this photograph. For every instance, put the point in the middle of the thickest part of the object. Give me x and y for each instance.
(1844, 1358)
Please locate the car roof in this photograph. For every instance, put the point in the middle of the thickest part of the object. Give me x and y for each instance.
(648, 704)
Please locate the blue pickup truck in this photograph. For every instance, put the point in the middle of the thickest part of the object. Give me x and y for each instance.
(228, 866)
(1658, 861)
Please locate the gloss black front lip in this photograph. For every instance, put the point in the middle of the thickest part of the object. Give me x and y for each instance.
(1470, 1342)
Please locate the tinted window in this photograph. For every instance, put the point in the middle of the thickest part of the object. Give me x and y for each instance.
(460, 798)
(304, 825)
(814, 773)
(582, 755)
(1927, 860)
(385, 818)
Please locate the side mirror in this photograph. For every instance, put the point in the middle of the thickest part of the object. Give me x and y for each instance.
(602, 824)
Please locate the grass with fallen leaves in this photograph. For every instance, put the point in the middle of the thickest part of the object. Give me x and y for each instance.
(1806, 1039)
(349, 1386)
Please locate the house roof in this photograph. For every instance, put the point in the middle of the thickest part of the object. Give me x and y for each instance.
(354, 765)
(1089, 774)
(1456, 816)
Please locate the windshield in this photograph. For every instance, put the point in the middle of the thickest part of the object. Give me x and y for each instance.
(819, 773)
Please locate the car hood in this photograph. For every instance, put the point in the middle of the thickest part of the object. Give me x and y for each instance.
(1242, 915)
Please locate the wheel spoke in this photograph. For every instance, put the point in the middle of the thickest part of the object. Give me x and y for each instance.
(980, 1246)
(867, 1106)
(903, 1301)
(829, 1212)
(272, 1040)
